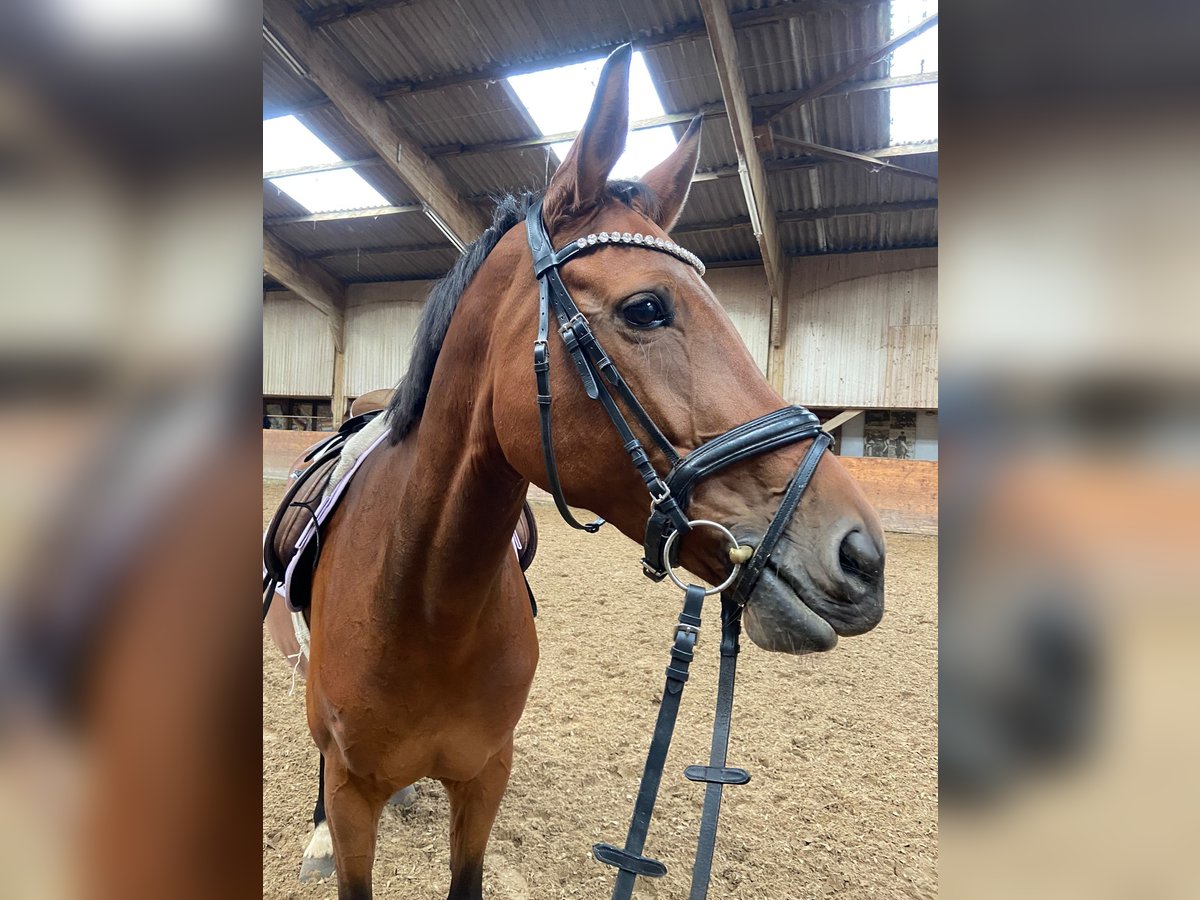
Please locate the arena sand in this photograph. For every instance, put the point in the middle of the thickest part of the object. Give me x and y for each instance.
(842, 749)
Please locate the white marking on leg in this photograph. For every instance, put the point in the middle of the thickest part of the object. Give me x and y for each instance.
(321, 845)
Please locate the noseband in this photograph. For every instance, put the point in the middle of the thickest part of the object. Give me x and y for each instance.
(669, 495)
(669, 500)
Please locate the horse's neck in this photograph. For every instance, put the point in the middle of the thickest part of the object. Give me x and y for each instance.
(452, 523)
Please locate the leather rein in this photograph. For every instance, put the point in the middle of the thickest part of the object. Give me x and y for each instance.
(669, 499)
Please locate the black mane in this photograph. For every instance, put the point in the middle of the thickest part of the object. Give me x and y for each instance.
(408, 401)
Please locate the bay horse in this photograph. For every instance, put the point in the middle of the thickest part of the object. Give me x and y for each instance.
(317, 862)
(423, 644)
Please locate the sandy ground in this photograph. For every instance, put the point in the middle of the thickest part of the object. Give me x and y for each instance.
(842, 749)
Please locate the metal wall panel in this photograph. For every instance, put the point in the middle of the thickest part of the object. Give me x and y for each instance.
(297, 348)
(743, 293)
(862, 330)
(380, 323)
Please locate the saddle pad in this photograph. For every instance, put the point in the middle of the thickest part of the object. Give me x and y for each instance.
(297, 590)
(292, 542)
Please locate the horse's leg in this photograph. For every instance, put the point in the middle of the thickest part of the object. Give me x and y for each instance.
(353, 810)
(318, 856)
(473, 808)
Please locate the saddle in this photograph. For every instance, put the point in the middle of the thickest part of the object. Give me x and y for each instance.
(309, 477)
(297, 510)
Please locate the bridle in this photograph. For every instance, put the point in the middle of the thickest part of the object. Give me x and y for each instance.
(669, 495)
(669, 499)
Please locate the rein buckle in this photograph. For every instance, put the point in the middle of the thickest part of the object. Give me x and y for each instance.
(685, 628)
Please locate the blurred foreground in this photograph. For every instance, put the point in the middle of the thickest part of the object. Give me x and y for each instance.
(1070, 472)
(129, 459)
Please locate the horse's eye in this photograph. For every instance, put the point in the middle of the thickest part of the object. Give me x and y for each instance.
(646, 311)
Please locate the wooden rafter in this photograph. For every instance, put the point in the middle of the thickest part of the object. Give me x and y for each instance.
(454, 215)
(864, 62)
(340, 12)
(773, 165)
(801, 215)
(753, 173)
(814, 215)
(874, 163)
(372, 213)
(308, 281)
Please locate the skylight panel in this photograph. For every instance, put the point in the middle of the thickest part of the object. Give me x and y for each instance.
(288, 144)
(914, 110)
(558, 100)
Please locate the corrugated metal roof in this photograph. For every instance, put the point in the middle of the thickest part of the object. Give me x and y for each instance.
(392, 266)
(403, 229)
(714, 201)
(276, 203)
(431, 40)
(283, 89)
(467, 35)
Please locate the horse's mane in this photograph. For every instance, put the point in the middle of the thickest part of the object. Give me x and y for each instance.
(408, 400)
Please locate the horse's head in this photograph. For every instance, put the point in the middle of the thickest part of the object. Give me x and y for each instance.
(679, 352)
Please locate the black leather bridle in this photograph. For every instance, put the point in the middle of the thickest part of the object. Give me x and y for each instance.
(669, 495)
(669, 500)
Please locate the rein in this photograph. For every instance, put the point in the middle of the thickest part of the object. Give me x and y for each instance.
(669, 500)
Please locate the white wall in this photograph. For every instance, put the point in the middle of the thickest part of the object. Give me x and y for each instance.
(861, 333)
(381, 320)
(743, 293)
(862, 330)
(297, 348)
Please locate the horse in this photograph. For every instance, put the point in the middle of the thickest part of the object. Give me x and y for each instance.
(423, 646)
(317, 862)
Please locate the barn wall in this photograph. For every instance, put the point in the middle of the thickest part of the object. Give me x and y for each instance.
(862, 330)
(297, 348)
(743, 293)
(381, 320)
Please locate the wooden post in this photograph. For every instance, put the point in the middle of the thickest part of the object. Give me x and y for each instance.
(841, 419)
(338, 395)
(752, 174)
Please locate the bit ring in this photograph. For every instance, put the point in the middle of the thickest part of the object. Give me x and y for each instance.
(675, 578)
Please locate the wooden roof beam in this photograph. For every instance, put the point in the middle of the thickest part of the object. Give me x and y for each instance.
(309, 282)
(452, 213)
(863, 63)
(338, 215)
(753, 174)
(801, 215)
(340, 12)
(773, 165)
(813, 215)
(874, 163)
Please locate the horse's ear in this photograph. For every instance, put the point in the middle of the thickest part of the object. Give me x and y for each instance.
(580, 181)
(671, 179)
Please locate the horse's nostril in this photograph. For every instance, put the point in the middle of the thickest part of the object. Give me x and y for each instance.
(860, 557)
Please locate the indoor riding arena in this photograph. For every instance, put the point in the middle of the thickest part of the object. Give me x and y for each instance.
(391, 129)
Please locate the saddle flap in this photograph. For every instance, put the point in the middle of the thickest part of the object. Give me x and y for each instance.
(294, 514)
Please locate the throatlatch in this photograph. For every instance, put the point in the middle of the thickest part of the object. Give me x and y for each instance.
(669, 500)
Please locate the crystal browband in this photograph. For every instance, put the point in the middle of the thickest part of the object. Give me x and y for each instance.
(642, 240)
